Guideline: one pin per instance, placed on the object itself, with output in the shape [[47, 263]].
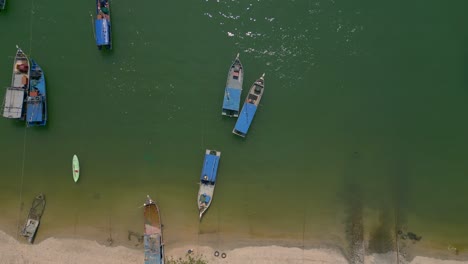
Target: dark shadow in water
[[352, 200], [382, 238], [400, 190]]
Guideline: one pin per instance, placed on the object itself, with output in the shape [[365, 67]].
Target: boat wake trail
[[277, 40]]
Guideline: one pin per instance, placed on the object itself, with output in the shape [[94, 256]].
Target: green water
[[364, 111]]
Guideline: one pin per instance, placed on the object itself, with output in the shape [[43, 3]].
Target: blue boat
[[233, 90], [2, 4], [36, 104], [14, 102], [208, 180], [250, 107], [154, 249], [103, 24]]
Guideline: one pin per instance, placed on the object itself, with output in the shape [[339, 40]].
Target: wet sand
[[64, 250]]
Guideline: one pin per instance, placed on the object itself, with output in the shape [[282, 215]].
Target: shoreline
[[76, 250]]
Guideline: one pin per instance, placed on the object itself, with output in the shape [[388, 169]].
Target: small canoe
[[76, 168]]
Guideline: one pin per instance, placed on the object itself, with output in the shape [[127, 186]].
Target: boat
[[2, 4], [208, 180], [34, 218], [14, 101], [76, 168], [154, 246], [36, 110], [250, 107], [233, 90], [103, 24]]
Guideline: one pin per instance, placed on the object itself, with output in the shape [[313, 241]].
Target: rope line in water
[[397, 244], [31, 28], [23, 162], [21, 183], [92, 23], [303, 234]]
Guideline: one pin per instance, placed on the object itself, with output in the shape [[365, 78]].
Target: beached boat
[[233, 90], [250, 107], [154, 247], [2, 4], [103, 24], [208, 180], [14, 101], [34, 218], [76, 168], [36, 110]]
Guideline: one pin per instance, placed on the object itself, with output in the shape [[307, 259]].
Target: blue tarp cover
[[245, 118], [40, 84], [210, 168], [34, 113], [102, 32], [232, 99]]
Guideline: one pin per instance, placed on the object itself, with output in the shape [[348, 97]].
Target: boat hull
[[153, 240], [233, 90], [208, 181], [249, 108], [36, 113], [102, 24], [14, 101], [34, 217], [76, 168], [205, 190]]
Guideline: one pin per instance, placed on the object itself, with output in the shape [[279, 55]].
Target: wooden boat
[[154, 246], [250, 107], [208, 180], [36, 111], [2, 4], [102, 24], [13, 104], [76, 168], [34, 218], [233, 90]]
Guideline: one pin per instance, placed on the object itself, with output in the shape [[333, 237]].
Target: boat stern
[[245, 119], [102, 31], [231, 102]]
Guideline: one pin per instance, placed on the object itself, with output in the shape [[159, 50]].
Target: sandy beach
[[59, 251]]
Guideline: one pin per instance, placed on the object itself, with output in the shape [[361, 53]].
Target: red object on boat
[[23, 68]]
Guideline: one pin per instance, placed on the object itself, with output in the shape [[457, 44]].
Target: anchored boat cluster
[[25, 99], [232, 97], [231, 104]]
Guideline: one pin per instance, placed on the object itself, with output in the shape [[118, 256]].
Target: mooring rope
[[303, 234], [397, 237], [93, 26], [23, 162], [31, 28], [21, 183]]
